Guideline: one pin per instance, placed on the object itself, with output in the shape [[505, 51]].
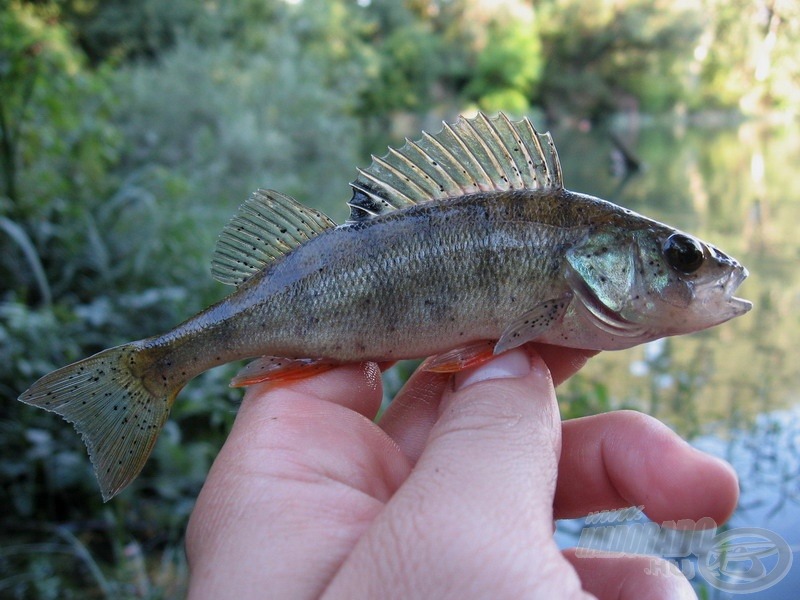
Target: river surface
[[733, 390]]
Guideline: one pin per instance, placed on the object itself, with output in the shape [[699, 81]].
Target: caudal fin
[[117, 416]]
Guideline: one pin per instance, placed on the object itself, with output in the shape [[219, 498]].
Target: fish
[[459, 246]]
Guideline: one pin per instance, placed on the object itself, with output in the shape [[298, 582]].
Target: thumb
[[474, 518], [499, 436]]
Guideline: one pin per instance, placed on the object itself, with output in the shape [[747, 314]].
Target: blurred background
[[131, 130]]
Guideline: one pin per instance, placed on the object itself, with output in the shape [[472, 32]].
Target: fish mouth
[[735, 279], [738, 273]]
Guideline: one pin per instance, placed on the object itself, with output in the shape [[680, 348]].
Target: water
[[734, 187], [732, 390]]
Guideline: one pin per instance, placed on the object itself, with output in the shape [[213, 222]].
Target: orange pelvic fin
[[459, 359], [275, 368]]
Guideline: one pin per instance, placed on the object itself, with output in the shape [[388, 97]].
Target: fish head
[[692, 285], [651, 281]]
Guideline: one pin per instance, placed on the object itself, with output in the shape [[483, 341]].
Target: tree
[[600, 52]]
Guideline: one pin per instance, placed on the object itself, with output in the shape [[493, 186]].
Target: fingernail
[[509, 365]]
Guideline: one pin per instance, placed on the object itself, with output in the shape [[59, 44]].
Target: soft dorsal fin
[[472, 155], [268, 225]]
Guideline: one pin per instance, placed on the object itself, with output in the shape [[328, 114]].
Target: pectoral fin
[[533, 323]]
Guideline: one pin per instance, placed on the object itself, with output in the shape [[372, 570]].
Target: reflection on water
[[736, 188], [766, 455], [732, 390]]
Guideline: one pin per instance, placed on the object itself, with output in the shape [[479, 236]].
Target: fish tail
[[112, 408]]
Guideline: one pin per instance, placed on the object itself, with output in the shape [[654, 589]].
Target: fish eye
[[683, 253]]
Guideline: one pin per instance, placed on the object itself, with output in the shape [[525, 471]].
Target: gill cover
[[624, 277], [606, 264]]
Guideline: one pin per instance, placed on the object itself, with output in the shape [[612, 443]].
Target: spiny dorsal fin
[[472, 155], [268, 225]]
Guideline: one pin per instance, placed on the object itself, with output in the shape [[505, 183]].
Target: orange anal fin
[[459, 359], [275, 368]]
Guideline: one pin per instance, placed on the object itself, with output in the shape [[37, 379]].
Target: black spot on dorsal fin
[[471, 155]]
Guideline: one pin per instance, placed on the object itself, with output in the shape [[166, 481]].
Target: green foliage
[[258, 112], [747, 57], [602, 56], [584, 397], [407, 67], [408, 58], [40, 84], [129, 131], [57, 147], [508, 69], [115, 30]]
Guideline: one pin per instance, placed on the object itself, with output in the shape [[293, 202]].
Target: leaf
[[17, 233]]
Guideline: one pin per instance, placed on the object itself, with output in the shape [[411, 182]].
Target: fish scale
[[461, 244]]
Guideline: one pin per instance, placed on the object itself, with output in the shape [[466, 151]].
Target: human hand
[[450, 494]]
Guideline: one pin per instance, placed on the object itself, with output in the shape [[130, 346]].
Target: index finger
[[563, 363]]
